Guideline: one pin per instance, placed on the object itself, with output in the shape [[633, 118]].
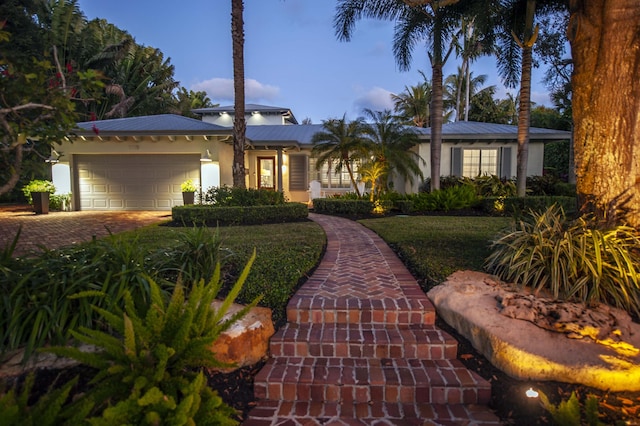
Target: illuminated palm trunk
[[605, 41]]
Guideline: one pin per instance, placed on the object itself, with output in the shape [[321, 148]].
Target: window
[[472, 162], [327, 176]]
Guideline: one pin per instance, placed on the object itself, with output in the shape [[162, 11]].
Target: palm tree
[[391, 146], [341, 144], [413, 104], [373, 172], [455, 85], [516, 37], [239, 122], [432, 21]]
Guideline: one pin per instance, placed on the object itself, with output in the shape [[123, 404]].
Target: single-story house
[[138, 163]]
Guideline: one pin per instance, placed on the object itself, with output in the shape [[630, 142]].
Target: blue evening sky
[[292, 56]]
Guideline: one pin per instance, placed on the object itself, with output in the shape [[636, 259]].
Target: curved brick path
[[361, 347]]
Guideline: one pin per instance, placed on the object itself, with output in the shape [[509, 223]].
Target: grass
[[433, 247], [286, 254]]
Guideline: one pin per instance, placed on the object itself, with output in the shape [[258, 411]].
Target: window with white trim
[[473, 162], [329, 178]]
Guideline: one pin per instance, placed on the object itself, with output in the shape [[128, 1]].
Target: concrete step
[[363, 340], [362, 380], [268, 413], [417, 310]]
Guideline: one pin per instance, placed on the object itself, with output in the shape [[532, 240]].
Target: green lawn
[[433, 247]]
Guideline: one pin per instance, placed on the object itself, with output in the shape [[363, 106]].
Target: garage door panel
[[133, 182]]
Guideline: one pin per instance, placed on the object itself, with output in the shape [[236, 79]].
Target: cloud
[[376, 99], [221, 89]]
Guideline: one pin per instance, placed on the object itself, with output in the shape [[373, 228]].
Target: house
[[138, 163]]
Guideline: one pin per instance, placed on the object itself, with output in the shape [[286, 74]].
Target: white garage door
[[133, 182]]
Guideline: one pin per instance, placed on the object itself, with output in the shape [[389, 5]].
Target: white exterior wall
[[226, 119], [534, 165], [212, 173]]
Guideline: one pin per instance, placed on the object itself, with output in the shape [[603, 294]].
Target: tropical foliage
[[341, 145], [150, 365], [571, 259]]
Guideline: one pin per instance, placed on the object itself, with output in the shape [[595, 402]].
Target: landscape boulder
[[247, 341], [533, 338]]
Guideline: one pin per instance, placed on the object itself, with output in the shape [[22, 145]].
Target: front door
[[266, 170]]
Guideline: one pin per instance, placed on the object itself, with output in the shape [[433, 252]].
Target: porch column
[[280, 186]]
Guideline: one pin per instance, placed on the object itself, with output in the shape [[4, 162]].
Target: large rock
[[247, 341], [605, 358]]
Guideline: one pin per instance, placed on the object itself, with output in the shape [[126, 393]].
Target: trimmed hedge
[[239, 215], [518, 206], [339, 206]]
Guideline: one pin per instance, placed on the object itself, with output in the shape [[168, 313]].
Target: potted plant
[[188, 191], [38, 191]]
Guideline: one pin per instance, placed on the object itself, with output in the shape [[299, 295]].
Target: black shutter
[[505, 163], [456, 161]]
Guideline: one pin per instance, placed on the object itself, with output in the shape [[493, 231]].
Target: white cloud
[[376, 99], [221, 89]]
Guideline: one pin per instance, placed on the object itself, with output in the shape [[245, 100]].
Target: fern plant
[[150, 370], [568, 412], [46, 411], [570, 259]]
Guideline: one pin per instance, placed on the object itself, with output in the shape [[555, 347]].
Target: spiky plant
[[151, 367], [570, 259]]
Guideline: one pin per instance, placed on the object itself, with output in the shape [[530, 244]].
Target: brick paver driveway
[[59, 229]]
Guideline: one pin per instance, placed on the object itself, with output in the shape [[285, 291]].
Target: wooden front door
[[266, 173]]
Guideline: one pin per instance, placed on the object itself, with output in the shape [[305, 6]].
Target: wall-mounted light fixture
[[206, 157], [53, 158]]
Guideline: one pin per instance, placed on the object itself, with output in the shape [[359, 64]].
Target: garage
[[133, 181]]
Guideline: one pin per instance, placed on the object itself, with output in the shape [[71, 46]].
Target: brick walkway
[[59, 229], [361, 348]]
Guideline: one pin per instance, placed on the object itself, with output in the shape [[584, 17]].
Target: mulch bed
[[508, 398]]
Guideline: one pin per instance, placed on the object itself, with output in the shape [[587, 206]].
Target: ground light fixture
[[531, 393]]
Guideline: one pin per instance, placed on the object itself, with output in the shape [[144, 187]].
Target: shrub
[[494, 186], [193, 258], [445, 183], [239, 215], [232, 196], [151, 369], [571, 260], [37, 185], [455, 198], [59, 202], [46, 411], [188, 186], [518, 206], [342, 207]]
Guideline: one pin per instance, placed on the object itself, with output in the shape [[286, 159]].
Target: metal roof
[[263, 109], [156, 125], [293, 135], [465, 130], [298, 135]]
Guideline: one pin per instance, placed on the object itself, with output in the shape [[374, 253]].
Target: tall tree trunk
[[524, 110], [239, 122], [436, 126], [435, 118], [605, 44], [467, 90]]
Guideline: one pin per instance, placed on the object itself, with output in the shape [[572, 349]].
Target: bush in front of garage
[[200, 214]]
